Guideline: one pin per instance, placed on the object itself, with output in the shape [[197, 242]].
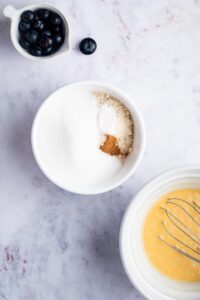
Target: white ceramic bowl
[[140, 271], [14, 14], [132, 161]]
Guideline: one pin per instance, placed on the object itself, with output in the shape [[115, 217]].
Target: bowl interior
[[139, 269], [130, 163], [15, 31]]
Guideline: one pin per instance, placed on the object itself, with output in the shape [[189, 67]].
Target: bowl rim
[[142, 138], [157, 181]]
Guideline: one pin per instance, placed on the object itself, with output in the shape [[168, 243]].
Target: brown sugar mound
[[119, 137]]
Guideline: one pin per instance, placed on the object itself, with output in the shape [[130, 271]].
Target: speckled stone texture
[[59, 246]]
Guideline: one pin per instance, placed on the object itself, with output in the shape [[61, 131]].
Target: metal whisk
[[182, 228]]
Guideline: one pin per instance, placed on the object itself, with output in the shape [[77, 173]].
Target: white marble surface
[[58, 246]]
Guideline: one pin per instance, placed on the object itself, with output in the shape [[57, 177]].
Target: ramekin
[[14, 14]]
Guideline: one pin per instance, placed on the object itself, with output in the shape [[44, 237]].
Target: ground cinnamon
[[110, 146]]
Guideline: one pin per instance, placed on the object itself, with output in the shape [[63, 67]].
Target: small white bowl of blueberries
[[38, 31]]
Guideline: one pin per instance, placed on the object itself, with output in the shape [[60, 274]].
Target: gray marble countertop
[[59, 246]]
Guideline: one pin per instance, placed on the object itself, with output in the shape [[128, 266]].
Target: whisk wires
[[183, 239]]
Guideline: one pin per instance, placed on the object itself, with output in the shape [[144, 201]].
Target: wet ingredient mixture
[[172, 235]]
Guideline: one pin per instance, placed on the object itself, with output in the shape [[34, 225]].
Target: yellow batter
[[170, 222]]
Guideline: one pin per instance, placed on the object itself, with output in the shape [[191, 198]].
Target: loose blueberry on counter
[[24, 26], [27, 16], [87, 46]]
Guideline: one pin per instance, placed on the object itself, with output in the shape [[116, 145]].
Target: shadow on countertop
[[5, 40], [106, 253]]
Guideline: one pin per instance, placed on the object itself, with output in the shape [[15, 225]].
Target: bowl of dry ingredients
[[88, 137]]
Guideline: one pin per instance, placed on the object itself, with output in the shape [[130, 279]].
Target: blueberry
[[56, 29], [58, 40], [55, 19], [48, 51], [43, 13], [87, 46], [24, 43], [46, 33], [45, 42], [38, 25], [27, 16], [24, 26], [36, 17], [32, 36], [36, 51]]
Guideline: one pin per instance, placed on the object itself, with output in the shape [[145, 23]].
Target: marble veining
[[59, 246]]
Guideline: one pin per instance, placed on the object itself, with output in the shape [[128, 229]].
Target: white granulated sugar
[[69, 140], [107, 119]]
